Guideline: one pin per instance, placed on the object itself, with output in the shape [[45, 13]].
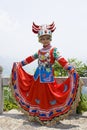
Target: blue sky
[[17, 40]]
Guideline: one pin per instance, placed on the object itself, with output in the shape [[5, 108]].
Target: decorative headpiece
[[43, 29]]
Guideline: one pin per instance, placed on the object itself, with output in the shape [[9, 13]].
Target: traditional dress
[[39, 94]]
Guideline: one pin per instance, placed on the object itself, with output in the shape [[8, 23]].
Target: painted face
[[45, 40]]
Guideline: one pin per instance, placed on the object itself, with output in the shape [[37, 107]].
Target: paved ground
[[15, 120]]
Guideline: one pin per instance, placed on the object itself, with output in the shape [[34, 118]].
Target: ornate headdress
[[43, 29]]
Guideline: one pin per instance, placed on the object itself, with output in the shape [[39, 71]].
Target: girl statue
[[39, 95]]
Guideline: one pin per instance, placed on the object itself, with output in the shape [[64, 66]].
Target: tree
[[80, 67], [58, 70]]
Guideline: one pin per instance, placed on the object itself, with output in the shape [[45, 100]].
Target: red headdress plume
[[51, 27], [35, 28]]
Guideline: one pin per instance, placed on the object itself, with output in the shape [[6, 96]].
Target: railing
[[5, 82]]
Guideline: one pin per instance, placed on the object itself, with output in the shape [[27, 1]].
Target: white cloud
[[7, 22], [17, 39]]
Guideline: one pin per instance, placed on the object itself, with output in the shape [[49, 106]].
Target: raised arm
[[29, 59], [62, 61]]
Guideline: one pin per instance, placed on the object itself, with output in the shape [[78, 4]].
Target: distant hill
[[7, 63], [84, 90]]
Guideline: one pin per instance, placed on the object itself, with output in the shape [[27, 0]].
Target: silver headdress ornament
[[43, 29]]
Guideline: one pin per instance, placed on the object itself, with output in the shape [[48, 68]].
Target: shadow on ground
[[35, 125]]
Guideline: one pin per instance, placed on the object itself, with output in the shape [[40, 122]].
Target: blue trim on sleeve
[[69, 68], [23, 63]]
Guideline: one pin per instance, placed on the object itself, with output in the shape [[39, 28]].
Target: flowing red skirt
[[45, 100]]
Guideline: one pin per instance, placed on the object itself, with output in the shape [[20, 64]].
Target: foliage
[[9, 102], [58, 70], [80, 67], [82, 104]]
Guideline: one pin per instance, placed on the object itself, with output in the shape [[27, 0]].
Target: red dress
[[38, 97]]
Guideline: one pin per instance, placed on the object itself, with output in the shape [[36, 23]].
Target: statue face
[[45, 40]]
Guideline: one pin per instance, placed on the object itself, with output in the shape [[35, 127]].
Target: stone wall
[[6, 81]]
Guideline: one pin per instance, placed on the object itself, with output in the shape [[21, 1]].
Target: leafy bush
[[80, 67], [82, 107], [9, 102]]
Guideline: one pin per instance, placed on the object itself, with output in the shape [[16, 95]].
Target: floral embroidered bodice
[[46, 58], [44, 69]]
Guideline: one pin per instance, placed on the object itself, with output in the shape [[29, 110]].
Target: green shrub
[[82, 107], [9, 102]]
